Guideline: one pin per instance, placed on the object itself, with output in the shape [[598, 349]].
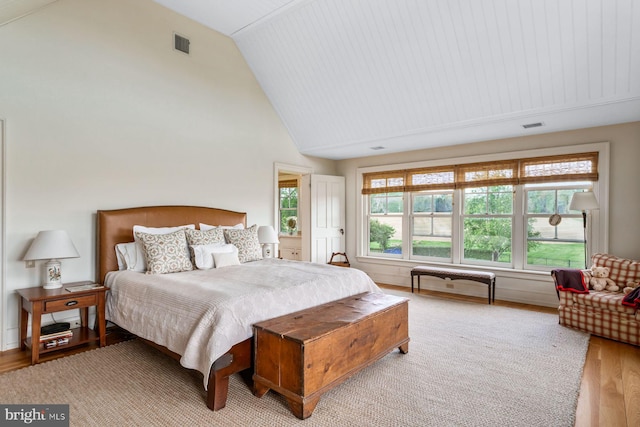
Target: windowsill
[[412, 263], [290, 236]]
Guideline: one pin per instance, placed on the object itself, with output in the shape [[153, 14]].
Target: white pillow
[[160, 230], [130, 257], [225, 259], [203, 254], [206, 227], [141, 264]]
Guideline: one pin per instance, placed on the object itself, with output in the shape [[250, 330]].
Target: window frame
[[526, 216], [488, 215], [386, 214], [288, 186], [597, 219], [412, 215]]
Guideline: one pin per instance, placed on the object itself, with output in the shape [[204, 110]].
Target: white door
[[324, 232]]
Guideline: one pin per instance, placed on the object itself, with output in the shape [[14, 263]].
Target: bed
[[204, 318]]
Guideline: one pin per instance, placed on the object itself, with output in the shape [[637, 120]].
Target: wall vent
[[533, 125], [181, 43]]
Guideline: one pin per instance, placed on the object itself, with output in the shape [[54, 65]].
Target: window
[[488, 223], [553, 246], [385, 223], [431, 224], [288, 206], [490, 213]]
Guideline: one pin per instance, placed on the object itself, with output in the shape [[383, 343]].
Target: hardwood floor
[[609, 392]]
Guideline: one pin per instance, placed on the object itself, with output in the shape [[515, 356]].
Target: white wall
[[536, 288], [102, 113]]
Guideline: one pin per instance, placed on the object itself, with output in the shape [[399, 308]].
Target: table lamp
[[267, 236], [52, 245]]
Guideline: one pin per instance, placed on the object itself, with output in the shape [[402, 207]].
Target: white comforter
[[201, 314]]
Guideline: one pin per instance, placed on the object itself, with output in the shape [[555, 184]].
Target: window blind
[[288, 183], [487, 174], [383, 182], [431, 178], [572, 167]]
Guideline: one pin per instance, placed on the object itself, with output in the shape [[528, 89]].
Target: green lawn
[[558, 255]]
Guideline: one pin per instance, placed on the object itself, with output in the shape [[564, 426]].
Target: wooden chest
[[304, 354]]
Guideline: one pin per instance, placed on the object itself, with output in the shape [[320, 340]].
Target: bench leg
[[494, 289], [489, 286]]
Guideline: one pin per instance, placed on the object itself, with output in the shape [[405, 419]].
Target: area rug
[[469, 364]]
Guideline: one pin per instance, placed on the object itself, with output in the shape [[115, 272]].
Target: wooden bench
[[485, 277], [304, 354]]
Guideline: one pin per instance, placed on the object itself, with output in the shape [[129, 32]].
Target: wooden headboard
[[116, 226]]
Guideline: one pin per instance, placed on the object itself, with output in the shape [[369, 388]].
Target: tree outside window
[[385, 223], [488, 223]]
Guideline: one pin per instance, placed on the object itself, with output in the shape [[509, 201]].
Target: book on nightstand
[[56, 342], [56, 336], [86, 287]]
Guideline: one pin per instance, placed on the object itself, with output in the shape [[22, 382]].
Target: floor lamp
[[584, 201]]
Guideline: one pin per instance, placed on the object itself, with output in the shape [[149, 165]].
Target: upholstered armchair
[[613, 315]]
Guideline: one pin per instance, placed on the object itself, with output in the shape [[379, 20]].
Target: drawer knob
[[70, 303]]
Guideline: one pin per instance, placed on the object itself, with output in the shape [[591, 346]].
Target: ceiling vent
[[379, 147], [533, 125], [181, 43]]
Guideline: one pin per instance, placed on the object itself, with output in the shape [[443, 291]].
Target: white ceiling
[[349, 75], [10, 10]]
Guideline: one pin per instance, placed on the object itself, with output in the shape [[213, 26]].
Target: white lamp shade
[[267, 235], [51, 244], [583, 201]]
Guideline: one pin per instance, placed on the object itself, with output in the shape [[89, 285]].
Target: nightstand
[[39, 301]]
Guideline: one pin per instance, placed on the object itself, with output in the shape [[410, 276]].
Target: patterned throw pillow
[[165, 253], [202, 237], [246, 241]]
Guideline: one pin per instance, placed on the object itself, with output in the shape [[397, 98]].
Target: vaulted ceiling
[[362, 77]]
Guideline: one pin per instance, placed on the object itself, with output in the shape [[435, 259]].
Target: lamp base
[[52, 275], [266, 251]]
